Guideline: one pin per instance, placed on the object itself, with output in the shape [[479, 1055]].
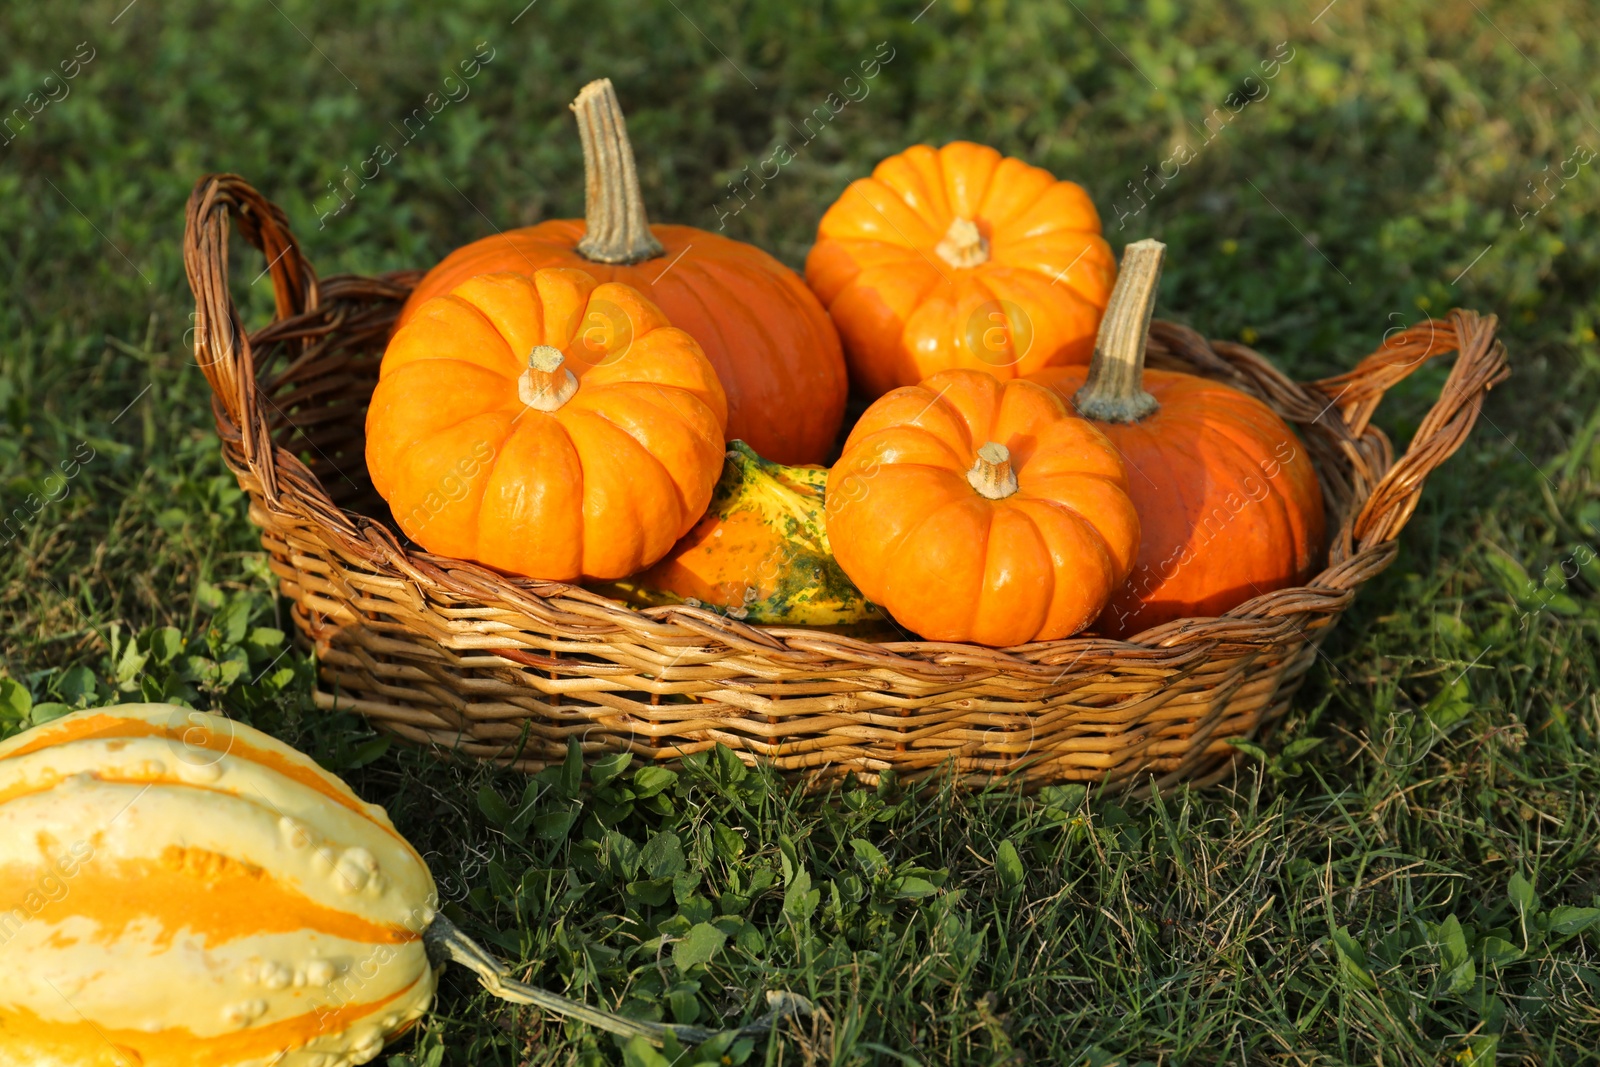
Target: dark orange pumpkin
[[769, 339], [1228, 500]]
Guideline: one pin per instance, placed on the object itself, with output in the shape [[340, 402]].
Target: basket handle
[[1480, 366], [222, 346]]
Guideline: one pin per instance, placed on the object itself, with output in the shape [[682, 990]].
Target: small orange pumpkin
[[978, 510], [547, 425], [761, 328], [958, 257], [1227, 497]]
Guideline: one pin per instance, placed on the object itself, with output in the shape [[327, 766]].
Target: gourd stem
[[992, 475], [963, 244], [547, 383], [616, 227], [446, 943], [1114, 390]]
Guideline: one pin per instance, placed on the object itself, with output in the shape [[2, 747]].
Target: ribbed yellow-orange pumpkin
[[547, 425], [973, 509], [957, 257], [180, 890]]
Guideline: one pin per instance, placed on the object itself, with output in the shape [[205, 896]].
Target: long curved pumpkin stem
[[617, 229], [446, 943], [1114, 391]]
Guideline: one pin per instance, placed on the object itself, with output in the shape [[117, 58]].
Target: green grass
[[1405, 877]]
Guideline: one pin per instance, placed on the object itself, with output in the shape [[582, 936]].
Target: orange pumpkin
[[547, 425], [978, 510], [758, 324], [1227, 497], [957, 257]]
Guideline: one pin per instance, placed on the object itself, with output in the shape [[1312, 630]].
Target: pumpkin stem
[[963, 245], [546, 384], [1114, 390], [447, 944], [992, 475], [617, 229]]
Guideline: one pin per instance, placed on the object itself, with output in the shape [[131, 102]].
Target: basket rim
[[1381, 499]]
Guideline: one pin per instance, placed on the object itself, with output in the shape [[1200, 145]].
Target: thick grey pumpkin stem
[[1114, 391], [617, 229]]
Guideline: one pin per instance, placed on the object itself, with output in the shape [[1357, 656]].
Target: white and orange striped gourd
[[181, 890]]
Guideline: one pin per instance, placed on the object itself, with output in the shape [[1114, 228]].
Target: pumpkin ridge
[[1241, 461], [479, 484], [1022, 211], [652, 395], [1059, 277], [980, 284], [399, 457], [682, 525], [908, 256], [463, 304], [1049, 589], [451, 359], [951, 168], [890, 197], [506, 450], [760, 287], [932, 277], [955, 453], [960, 501], [1177, 460], [655, 395], [905, 535], [480, 412], [1024, 208], [1091, 533], [1148, 442], [710, 317], [791, 290], [918, 181]]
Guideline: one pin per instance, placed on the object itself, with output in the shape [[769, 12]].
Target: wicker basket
[[445, 652]]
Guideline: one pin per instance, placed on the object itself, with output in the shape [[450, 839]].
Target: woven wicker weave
[[446, 652]]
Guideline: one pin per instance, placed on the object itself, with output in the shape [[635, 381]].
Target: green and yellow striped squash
[[760, 553], [181, 890]]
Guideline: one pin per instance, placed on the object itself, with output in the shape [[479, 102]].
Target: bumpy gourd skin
[[1227, 497], [958, 257], [180, 890], [760, 553], [1032, 560]]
